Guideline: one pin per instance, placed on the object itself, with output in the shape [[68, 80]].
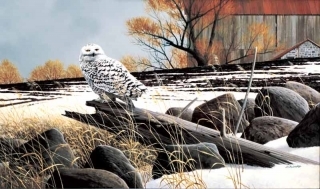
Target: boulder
[[209, 115], [264, 129], [175, 111], [307, 132], [182, 158], [51, 147], [84, 178], [249, 110], [112, 159], [8, 147], [280, 102], [309, 94]]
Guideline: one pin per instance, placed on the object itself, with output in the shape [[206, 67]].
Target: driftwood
[[152, 128]]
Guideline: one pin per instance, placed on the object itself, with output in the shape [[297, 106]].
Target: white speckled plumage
[[107, 76]]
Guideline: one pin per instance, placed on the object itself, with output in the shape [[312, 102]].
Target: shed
[[304, 49]]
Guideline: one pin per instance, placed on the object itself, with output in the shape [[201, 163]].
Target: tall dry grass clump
[[82, 139]]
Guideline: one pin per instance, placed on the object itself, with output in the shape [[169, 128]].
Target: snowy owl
[[107, 77]]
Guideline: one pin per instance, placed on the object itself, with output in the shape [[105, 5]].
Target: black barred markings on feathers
[[107, 76]]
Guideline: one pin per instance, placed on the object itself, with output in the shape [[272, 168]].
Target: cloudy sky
[[35, 31]]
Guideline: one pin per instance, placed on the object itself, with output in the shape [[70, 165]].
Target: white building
[[304, 49]]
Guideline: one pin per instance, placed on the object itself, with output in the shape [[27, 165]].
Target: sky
[[35, 31]]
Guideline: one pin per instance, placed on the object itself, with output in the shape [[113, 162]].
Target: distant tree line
[[52, 69]]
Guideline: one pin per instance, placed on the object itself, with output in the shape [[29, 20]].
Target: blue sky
[[35, 31]]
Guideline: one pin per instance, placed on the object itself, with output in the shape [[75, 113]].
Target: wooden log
[[153, 128]]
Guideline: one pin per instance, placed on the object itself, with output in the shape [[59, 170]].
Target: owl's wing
[[125, 83], [113, 77]]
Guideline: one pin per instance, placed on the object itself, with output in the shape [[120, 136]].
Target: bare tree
[[172, 24], [136, 63]]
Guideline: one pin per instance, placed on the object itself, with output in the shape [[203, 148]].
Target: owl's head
[[91, 52]]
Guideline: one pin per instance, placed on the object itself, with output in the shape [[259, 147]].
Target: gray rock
[[209, 115], [264, 129], [249, 110], [112, 159], [309, 94], [307, 132], [175, 111], [8, 147], [51, 147], [84, 178], [175, 158], [280, 102]]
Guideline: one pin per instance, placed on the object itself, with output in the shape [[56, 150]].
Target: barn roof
[[291, 48], [276, 7]]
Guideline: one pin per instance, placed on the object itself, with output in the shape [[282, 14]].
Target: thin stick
[[223, 129], [158, 79], [186, 107], [247, 93]]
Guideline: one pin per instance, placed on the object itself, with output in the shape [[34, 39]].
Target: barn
[[304, 49], [274, 26]]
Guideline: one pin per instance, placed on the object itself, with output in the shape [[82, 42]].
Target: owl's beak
[[93, 54]]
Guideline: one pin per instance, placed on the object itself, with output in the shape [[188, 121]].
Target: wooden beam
[[153, 128]]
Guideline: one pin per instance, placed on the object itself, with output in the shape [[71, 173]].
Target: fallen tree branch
[[153, 128]]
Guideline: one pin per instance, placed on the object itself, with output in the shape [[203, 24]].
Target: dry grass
[[83, 138]]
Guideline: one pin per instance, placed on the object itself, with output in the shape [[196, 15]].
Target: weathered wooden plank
[[152, 128]]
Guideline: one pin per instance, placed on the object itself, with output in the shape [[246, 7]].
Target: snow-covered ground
[[281, 176], [160, 99]]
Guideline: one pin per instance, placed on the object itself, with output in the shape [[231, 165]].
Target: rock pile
[[111, 168]]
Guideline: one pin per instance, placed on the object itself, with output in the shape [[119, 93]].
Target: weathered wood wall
[[294, 29], [288, 30]]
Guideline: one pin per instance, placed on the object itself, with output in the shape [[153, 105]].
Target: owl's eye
[[96, 49], [88, 50]]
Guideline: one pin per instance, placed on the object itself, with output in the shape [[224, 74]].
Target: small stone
[[175, 111]]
